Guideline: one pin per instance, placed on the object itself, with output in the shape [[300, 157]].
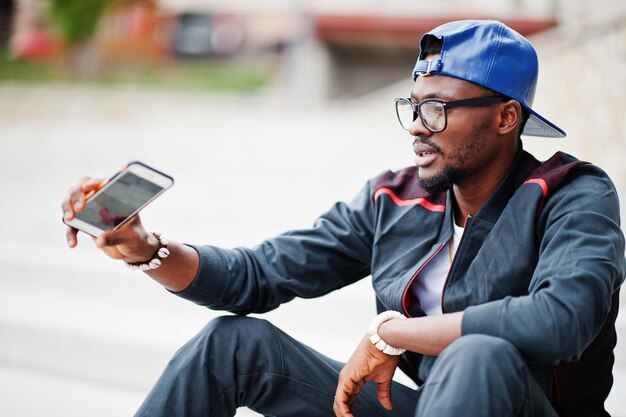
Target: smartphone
[[120, 198]]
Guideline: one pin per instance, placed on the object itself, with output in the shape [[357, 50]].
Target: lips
[[424, 154]]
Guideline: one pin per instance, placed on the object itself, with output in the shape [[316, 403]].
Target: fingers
[[68, 210], [345, 395], [74, 201], [342, 404], [71, 235], [383, 392], [91, 184]]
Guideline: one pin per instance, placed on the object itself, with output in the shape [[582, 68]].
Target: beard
[[441, 182]]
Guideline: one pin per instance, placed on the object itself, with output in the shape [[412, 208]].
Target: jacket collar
[[522, 165]]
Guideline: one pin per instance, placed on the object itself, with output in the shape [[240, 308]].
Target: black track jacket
[[540, 265]]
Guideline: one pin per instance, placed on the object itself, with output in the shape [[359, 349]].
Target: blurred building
[[346, 47], [7, 8], [351, 47], [135, 29]]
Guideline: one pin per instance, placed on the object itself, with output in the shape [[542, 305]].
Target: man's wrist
[[159, 251], [376, 340], [152, 245]]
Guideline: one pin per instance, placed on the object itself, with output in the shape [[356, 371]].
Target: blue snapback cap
[[492, 55]]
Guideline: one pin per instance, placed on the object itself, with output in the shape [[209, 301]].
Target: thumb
[[383, 392], [113, 238], [130, 233]]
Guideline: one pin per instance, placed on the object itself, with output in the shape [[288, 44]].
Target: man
[[496, 276]]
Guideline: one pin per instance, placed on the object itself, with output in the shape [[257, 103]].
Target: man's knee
[[237, 327], [473, 360], [232, 334], [476, 375], [243, 339]]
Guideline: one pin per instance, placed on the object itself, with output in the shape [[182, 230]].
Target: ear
[[509, 117]]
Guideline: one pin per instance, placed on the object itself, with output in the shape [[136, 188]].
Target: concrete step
[[75, 322], [33, 393]]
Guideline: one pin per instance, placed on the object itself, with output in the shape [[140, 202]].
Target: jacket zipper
[[406, 289], [445, 283]]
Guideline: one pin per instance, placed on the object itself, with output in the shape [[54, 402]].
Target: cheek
[[468, 149]]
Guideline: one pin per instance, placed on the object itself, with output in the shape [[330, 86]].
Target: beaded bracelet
[[376, 340], [154, 262]]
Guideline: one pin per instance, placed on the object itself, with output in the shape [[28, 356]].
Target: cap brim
[[540, 126]]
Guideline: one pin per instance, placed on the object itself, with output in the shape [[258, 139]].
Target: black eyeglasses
[[434, 112]]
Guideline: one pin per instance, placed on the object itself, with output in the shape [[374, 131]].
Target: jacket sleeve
[[581, 264], [309, 263]]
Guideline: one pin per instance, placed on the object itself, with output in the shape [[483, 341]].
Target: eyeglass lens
[[432, 114]]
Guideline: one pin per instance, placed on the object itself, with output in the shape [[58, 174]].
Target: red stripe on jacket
[[399, 202]]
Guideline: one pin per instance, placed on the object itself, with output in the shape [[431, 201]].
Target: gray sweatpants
[[246, 362]]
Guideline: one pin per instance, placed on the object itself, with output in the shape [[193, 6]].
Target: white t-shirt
[[429, 284]]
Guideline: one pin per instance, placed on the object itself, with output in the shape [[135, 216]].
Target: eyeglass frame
[[467, 102]]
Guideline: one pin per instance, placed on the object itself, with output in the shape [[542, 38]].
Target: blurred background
[[265, 113]]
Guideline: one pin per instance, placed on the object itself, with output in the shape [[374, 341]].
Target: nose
[[417, 128]]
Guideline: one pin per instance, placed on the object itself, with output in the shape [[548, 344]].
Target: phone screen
[[116, 202]]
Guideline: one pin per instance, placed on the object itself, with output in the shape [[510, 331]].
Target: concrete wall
[[581, 88]]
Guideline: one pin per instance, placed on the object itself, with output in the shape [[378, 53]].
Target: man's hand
[[366, 364], [130, 242]]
